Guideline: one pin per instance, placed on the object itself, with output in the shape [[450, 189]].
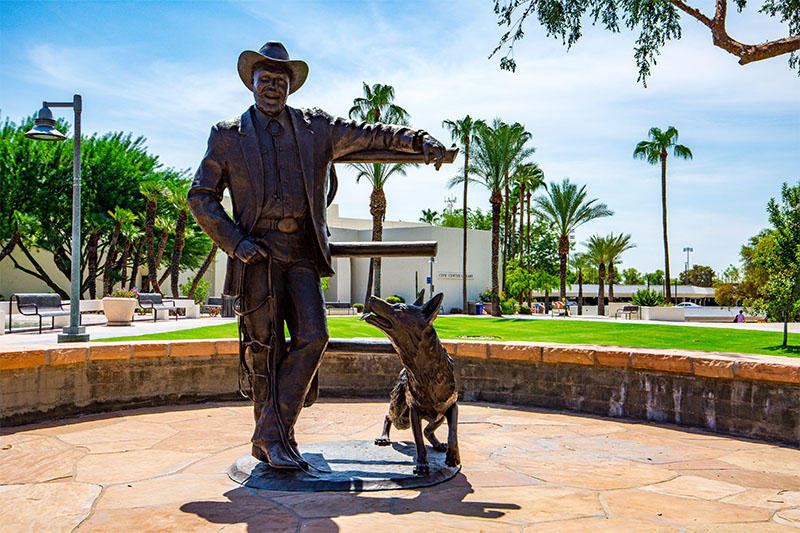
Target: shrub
[[456, 311], [200, 293], [125, 293], [395, 299], [524, 310], [508, 307], [647, 298], [485, 296], [359, 307]]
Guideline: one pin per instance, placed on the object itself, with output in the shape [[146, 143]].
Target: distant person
[[739, 318]]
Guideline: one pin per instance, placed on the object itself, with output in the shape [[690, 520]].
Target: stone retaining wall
[[737, 394]]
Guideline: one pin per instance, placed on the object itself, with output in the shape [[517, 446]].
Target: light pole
[[431, 261], [45, 130], [687, 249]]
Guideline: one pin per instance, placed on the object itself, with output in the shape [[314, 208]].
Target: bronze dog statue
[[426, 388]]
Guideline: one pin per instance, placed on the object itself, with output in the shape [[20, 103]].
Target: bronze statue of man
[[276, 162]]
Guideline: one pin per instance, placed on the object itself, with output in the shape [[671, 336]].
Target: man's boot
[[273, 454]]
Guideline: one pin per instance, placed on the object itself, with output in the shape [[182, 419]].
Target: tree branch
[[747, 53]]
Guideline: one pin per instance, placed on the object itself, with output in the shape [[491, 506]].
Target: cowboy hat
[[272, 53]]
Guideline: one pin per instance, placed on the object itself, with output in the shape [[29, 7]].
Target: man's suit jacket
[[233, 161]]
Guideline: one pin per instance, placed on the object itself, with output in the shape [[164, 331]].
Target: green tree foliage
[[699, 276], [36, 181], [780, 295], [429, 216], [476, 219], [631, 276], [656, 21], [565, 206], [655, 278]]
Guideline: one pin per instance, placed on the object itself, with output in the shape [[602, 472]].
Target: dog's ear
[[420, 298], [431, 309]]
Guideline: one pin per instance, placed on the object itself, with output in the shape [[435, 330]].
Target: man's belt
[[284, 225]]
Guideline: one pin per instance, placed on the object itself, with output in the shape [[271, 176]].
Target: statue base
[[356, 465]]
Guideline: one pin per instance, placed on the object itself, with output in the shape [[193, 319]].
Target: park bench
[[154, 301], [627, 311], [41, 305], [340, 305]]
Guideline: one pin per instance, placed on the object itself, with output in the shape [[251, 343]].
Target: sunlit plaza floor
[[524, 470]]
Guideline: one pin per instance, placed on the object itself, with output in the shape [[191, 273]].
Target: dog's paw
[[422, 469], [452, 458], [440, 446], [380, 441]]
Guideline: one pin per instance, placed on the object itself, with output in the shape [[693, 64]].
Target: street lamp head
[[44, 128]]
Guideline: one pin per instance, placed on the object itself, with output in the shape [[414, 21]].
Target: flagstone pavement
[[525, 470]]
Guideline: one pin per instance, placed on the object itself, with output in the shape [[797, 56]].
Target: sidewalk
[[140, 326], [531, 470]]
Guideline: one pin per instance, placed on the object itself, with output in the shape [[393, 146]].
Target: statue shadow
[[285, 511]]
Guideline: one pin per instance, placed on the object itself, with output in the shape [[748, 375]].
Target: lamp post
[[687, 249], [431, 261], [45, 130]]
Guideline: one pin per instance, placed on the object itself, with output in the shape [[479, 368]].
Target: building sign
[[454, 275]]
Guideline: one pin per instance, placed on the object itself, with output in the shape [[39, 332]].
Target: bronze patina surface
[[276, 163]]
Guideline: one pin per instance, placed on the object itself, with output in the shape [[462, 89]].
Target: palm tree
[[178, 196], [463, 131], [653, 151], [429, 216], [517, 136], [616, 246], [377, 105], [153, 190], [580, 263], [566, 207], [528, 177], [598, 248], [497, 149], [120, 216]]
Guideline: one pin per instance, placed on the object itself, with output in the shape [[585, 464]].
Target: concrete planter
[[119, 311], [665, 314]]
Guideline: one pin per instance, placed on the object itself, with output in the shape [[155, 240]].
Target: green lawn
[[566, 331]]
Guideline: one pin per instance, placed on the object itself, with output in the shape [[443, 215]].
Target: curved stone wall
[[743, 395]]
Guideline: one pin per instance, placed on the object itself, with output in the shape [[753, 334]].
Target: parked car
[[688, 304]]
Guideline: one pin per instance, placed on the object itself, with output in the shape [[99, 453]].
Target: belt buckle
[[287, 225]]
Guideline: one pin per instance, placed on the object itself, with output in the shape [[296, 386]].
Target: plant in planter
[[119, 307]]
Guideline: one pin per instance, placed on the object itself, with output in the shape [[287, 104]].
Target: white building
[[405, 275]]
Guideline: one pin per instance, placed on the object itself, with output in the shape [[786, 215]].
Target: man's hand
[[433, 151], [250, 252]]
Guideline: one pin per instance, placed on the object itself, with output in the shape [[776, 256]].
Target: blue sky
[[167, 71]]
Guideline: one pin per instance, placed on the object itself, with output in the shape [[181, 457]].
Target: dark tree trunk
[[9, 247], [149, 224], [505, 231], [610, 275], [521, 223], [563, 251], [466, 211], [203, 269], [110, 257], [496, 200], [137, 257], [91, 263], [377, 208], [601, 297], [162, 244], [668, 290], [177, 250], [38, 271], [528, 239], [580, 292], [123, 265]]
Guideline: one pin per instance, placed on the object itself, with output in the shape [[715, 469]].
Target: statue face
[[270, 89]]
